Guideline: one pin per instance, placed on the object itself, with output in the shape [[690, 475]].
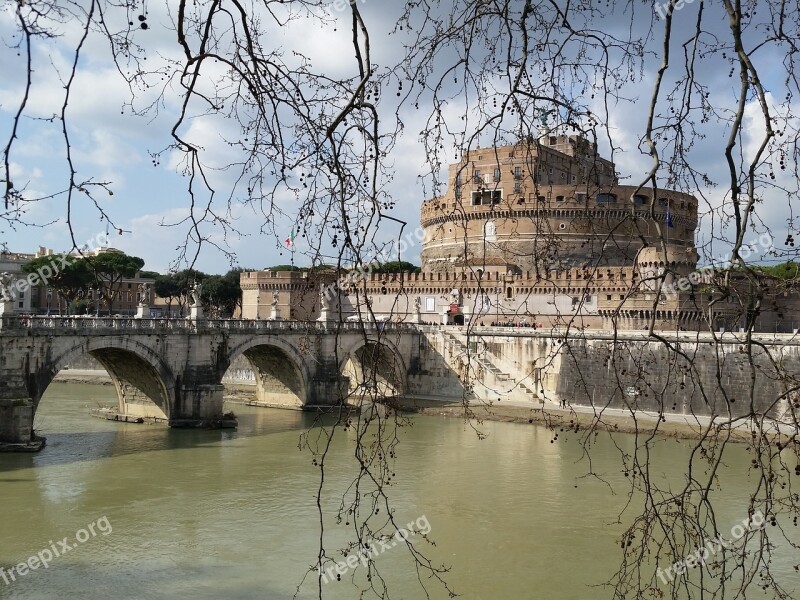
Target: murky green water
[[208, 515]]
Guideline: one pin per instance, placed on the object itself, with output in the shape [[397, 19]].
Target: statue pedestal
[[195, 312], [275, 314], [142, 312], [324, 315], [6, 311], [417, 318]]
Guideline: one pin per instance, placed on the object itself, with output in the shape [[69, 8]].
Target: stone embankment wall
[[684, 374]]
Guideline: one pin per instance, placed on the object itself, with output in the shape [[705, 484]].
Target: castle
[[540, 232]]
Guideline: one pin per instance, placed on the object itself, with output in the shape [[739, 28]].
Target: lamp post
[[49, 298]]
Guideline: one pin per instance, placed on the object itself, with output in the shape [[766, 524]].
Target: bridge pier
[[198, 405], [16, 425]]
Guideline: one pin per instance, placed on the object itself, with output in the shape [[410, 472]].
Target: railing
[[129, 324], [83, 323]]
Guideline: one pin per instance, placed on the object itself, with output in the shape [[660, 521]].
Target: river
[[202, 515]]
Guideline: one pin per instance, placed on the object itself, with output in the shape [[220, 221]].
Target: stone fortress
[[540, 232]]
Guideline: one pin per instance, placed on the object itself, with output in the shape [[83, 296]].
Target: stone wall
[[687, 375]]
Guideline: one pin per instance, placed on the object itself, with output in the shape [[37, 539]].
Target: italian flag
[[290, 240]]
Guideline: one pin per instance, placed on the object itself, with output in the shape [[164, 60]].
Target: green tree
[[68, 275], [168, 287], [149, 274], [784, 271], [109, 269], [185, 280], [396, 266], [222, 294]]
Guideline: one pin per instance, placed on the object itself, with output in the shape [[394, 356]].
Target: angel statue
[[197, 289]]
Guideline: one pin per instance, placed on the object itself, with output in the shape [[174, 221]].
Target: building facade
[[539, 233], [41, 299]]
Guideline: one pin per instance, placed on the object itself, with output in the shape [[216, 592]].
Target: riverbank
[[576, 418]]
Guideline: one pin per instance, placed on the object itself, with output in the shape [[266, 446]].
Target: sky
[[146, 191]]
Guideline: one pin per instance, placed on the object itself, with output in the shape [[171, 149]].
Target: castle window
[[517, 186], [641, 199], [483, 197], [553, 140], [476, 176], [562, 226], [509, 293], [497, 174], [458, 191], [517, 172], [606, 198], [540, 198], [559, 198], [608, 296]]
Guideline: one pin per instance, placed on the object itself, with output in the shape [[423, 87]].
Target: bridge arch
[[281, 372], [142, 379], [375, 367]]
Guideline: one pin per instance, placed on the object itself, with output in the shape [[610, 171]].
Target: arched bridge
[[173, 368]]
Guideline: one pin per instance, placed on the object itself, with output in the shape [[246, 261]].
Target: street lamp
[[49, 298]]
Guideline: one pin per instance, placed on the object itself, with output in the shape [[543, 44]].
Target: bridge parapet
[[128, 324]]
